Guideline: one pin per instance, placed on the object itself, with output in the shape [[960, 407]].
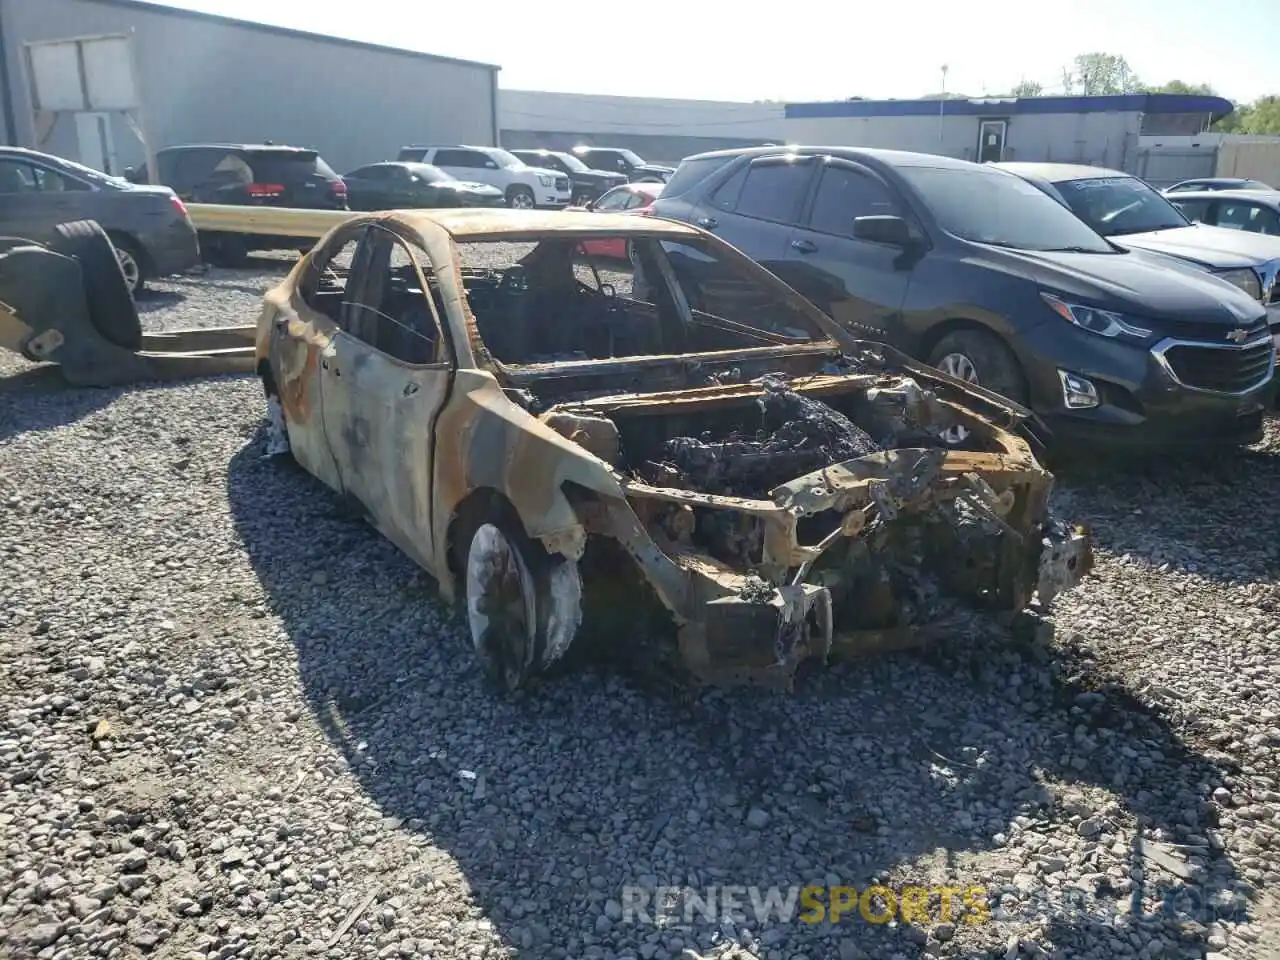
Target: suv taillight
[[266, 189], [339, 188], [182, 207]]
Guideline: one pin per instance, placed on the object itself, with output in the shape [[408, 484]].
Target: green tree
[[1262, 116], [1027, 88], [1100, 74], [1180, 86]]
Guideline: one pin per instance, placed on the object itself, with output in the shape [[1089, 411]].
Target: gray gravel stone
[[233, 714]]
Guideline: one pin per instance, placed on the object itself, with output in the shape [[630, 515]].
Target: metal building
[[206, 78], [1103, 131], [659, 130]]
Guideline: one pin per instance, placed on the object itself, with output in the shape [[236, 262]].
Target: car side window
[[613, 200], [324, 286], [391, 310], [773, 191], [454, 158], [844, 195], [1235, 215], [51, 181], [1197, 210], [17, 177], [725, 196]]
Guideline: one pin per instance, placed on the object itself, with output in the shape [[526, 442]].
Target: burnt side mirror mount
[[892, 231]]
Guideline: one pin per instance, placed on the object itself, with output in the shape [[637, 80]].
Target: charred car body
[[554, 441]]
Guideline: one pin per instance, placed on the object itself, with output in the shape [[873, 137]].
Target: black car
[[148, 225], [400, 186], [623, 161], [588, 184], [266, 174], [984, 276], [1218, 183]]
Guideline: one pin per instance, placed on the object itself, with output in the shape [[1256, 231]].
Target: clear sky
[[819, 50]]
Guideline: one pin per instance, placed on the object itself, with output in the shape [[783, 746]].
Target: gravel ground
[[238, 724]]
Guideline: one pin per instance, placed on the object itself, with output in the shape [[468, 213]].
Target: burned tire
[[111, 308], [523, 605], [976, 356]]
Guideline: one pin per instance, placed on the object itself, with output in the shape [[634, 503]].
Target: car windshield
[[427, 173], [572, 162], [288, 166], [504, 159], [611, 298], [1118, 205], [988, 206], [632, 158]]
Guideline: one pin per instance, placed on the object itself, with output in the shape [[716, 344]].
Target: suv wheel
[[982, 358], [520, 198], [130, 264]]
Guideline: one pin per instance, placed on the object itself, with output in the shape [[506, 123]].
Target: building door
[[991, 140], [93, 136]]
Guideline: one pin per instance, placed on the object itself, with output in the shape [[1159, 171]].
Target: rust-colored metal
[[432, 449]]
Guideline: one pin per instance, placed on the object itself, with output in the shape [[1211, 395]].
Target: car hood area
[[1215, 247], [809, 508], [1142, 284]]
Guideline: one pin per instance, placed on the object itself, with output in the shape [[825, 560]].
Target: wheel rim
[[500, 606], [129, 267], [522, 201], [961, 367]]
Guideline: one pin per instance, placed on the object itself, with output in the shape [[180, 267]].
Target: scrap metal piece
[[1066, 558]]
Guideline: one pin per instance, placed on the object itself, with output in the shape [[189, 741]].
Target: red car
[[626, 198]]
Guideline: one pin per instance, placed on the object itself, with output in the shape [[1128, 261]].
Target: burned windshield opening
[[613, 297]]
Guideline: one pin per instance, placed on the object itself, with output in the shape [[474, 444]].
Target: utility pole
[[942, 102]]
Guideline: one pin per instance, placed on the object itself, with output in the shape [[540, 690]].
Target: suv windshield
[[1117, 205], [989, 206], [288, 166], [572, 162]]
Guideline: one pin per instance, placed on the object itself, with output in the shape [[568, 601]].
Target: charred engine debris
[[797, 435]]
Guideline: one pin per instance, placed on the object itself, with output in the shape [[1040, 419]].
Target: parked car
[[588, 184], [1135, 216], [626, 162], [1218, 183], [651, 446], [984, 276], [630, 198], [523, 186], [394, 185], [1253, 211], [264, 174], [148, 225]]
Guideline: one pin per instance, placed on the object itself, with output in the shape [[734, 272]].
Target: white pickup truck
[[525, 187]]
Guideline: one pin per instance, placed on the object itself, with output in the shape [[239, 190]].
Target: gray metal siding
[[206, 79], [1105, 139]]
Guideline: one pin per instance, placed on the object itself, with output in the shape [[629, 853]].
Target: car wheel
[[111, 308], [520, 198], [982, 358], [524, 605], [130, 264]]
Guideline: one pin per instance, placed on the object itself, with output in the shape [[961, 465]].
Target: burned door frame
[[380, 409], [983, 123], [299, 342]]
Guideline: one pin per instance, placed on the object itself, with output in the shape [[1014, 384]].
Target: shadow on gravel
[[899, 768], [1202, 516], [149, 301]]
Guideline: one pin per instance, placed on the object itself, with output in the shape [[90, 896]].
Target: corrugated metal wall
[[210, 79]]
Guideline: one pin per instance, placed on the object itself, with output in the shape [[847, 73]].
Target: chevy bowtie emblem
[[1239, 335]]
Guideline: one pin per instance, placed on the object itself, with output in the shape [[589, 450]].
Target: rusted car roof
[[472, 224]]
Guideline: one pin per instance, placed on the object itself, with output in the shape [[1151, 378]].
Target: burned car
[[569, 446]]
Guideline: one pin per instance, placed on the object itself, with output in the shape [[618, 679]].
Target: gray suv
[[149, 225]]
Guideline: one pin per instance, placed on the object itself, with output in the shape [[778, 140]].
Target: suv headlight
[[546, 179], [1104, 323], [1245, 279]]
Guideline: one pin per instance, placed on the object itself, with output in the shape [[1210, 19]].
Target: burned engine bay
[[829, 498]]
